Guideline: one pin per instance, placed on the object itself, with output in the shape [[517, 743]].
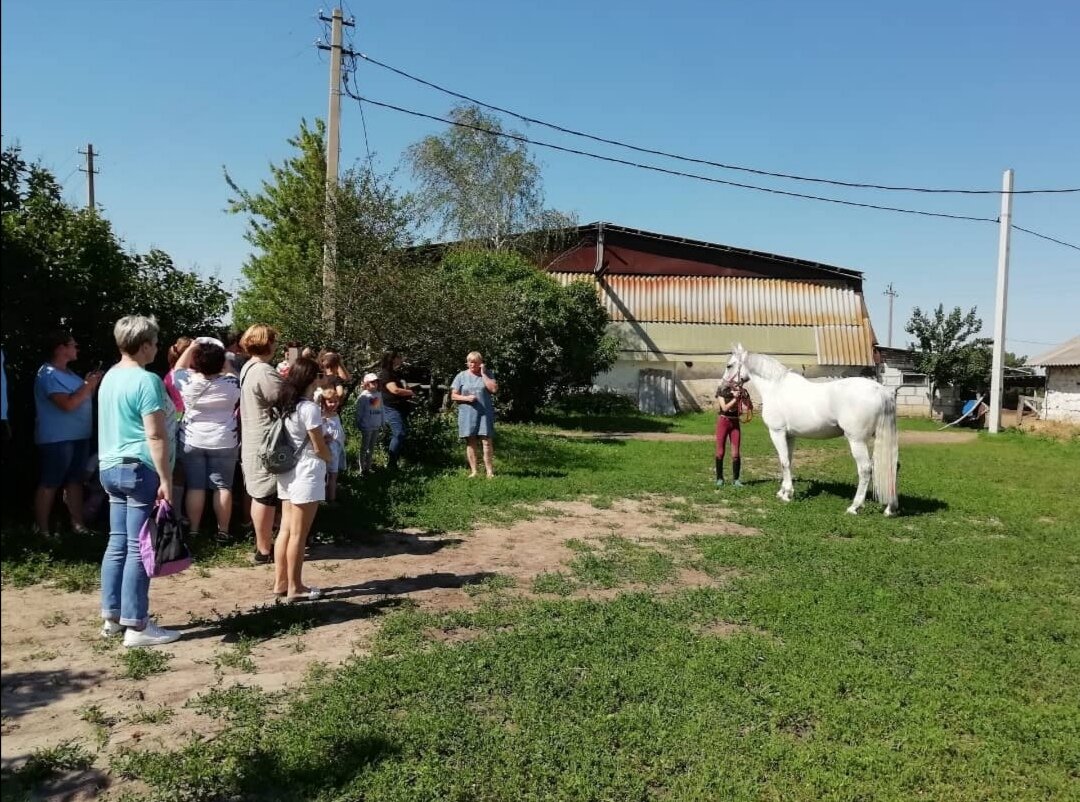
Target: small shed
[[896, 369], [1062, 366]]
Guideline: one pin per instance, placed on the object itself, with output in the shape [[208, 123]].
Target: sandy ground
[[54, 664]]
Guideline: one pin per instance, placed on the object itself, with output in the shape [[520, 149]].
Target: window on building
[[914, 379]]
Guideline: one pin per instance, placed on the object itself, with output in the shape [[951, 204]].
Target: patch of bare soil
[[55, 665], [1057, 429], [726, 629], [910, 438]]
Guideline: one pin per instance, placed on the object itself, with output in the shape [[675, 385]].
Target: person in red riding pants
[[727, 426]]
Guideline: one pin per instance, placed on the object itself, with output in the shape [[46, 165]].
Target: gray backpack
[[277, 452]]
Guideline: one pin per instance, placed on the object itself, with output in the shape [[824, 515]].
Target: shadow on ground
[[910, 506]]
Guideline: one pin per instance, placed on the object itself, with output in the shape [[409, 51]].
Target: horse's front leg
[[783, 443], [861, 453]]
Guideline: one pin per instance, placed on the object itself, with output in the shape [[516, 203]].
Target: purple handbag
[[161, 543]]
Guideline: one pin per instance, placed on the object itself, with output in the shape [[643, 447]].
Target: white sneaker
[[153, 635], [110, 628]]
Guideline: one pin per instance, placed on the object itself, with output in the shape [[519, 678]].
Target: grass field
[[931, 656]]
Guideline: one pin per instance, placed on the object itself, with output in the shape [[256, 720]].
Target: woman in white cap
[[369, 420]]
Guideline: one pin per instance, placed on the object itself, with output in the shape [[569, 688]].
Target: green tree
[[541, 339], [375, 294], [946, 349], [478, 186], [64, 267], [71, 258], [286, 229]]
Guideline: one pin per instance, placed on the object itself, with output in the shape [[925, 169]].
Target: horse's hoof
[[889, 512], [852, 510]]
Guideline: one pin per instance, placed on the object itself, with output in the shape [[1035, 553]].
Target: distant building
[[1062, 365], [677, 305], [897, 371]]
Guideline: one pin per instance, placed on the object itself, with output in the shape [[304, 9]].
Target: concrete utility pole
[[892, 294], [996, 378], [90, 173], [333, 153]]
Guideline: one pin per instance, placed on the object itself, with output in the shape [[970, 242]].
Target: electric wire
[[1044, 236], [614, 160], [694, 160]]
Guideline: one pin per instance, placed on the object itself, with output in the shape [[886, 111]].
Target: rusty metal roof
[[844, 345], [837, 313]]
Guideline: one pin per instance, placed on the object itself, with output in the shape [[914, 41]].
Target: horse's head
[[736, 371]]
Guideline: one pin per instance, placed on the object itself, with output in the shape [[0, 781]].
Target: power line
[[1044, 236], [1028, 342], [350, 72], [664, 170], [693, 160]]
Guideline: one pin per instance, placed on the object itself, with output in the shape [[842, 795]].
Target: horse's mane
[[765, 366]]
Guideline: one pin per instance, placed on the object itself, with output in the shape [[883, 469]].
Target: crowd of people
[[197, 439]]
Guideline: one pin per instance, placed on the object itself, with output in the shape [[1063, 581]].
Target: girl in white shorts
[[302, 488]]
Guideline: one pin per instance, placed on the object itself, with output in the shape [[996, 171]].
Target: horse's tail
[[886, 456]]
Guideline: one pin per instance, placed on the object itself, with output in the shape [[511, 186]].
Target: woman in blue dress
[[474, 391]]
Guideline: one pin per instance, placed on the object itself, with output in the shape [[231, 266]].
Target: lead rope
[[746, 406]]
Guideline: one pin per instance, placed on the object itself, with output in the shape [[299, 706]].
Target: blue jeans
[[398, 429], [125, 587]]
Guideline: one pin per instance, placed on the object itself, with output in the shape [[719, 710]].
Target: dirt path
[[906, 438], [55, 665]]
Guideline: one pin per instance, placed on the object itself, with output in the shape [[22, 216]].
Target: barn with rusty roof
[[678, 304]]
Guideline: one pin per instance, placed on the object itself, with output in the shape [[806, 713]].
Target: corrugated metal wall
[[832, 317]]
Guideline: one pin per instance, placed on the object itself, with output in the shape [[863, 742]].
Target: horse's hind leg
[[861, 453], [783, 444]]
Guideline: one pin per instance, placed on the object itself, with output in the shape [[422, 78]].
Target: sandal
[[313, 594], [221, 536]]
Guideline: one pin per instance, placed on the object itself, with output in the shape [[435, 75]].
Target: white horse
[[858, 409]]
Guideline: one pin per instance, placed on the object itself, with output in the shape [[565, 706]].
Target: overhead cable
[[1044, 236], [693, 160], [653, 168]]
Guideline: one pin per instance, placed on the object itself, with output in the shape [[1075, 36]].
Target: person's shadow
[[386, 543], [23, 691], [337, 604]]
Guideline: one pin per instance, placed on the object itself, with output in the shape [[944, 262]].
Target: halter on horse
[[859, 409]]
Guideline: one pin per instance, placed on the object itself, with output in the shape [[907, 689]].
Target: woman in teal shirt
[[136, 445]]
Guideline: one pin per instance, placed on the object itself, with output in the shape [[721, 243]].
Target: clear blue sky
[[920, 93]]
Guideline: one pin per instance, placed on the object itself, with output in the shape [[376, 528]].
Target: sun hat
[[370, 377]]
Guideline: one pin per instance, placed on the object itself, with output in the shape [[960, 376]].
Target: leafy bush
[[539, 338], [432, 438], [591, 401]]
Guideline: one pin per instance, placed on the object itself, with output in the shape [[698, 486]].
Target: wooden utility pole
[[333, 153], [1002, 297], [90, 173], [889, 291]]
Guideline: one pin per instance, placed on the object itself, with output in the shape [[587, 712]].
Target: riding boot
[[736, 466], [719, 469]]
